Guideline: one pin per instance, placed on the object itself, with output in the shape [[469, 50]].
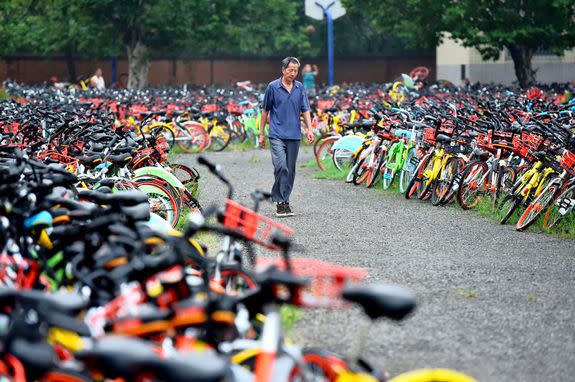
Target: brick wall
[[217, 71]]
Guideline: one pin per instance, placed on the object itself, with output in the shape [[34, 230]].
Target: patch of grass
[[531, 297], [465, 292], [330, 172], [241, 146], [309, 164], [565, 229], [3, 93], [290, 316]]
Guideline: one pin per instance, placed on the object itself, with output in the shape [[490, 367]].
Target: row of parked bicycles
[[513, 150], [90, 290], [193, 120]]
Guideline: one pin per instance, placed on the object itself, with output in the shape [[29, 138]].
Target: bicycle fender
[[349, 143]]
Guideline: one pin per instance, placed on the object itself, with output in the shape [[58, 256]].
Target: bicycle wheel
[[443, 183], [433, 375], [452, 190], [363, 171], [167, 132], [538, 205], [471, 184], [415, 182], [408, 169], [192, 138], [427, 184], [387, 178], [162, 200], [220, 136], [236, 280], [560, 208], [380, 162], [189, 176], [505, 180], [357, 163], [342, 159], [323, 151], [507, 207]]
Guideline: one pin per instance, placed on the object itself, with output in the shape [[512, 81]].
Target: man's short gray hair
[[289, 60]]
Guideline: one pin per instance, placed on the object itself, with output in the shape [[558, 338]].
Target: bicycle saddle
[[118, 356], [60, 302], [120, 158], [141, 212], [90, 160], [197, 367], [37, 356], [382, 300], [442, 138], [124, 198]]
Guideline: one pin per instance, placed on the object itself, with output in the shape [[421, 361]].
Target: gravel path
[[494, 303]]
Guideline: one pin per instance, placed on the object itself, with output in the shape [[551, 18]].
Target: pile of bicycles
[[90, 290], [514, 150], [193, 120], [101, 153]]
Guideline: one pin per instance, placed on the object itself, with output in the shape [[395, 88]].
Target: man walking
[[284, 102]]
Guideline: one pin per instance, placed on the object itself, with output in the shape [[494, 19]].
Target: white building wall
[[451, 56]]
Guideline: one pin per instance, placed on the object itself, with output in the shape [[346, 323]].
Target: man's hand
[[310, 136], [262, 142]]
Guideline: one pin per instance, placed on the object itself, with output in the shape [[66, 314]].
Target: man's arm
[[307, 120], [263, 121]]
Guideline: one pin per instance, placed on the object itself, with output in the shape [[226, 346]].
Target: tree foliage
[[521, 26]]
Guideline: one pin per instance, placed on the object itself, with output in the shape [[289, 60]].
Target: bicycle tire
[[379, 163], [552, 216], [352, 171], [537, 206], [192, 138], [342, 159], [443, 183], [509, 205], [469, 184], [425, 188], [221, 139], [323, 150], [162, 200], [407, 170], [189, 177], [415, 182]]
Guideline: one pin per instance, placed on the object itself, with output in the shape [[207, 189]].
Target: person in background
[[284, 103], [97, 81], [308, 77]]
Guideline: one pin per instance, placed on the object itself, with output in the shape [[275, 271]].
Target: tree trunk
[[69, 54], [138, 66], [522, 56]]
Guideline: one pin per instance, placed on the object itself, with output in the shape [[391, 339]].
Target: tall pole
[[329, 18], [329, 46]]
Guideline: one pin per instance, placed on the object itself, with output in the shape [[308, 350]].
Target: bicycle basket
[[325, 104], [327, 280], [429, 135], [254, 226], [567, 161], [210, 108], [18, 273], [483, 141], [234, 108]]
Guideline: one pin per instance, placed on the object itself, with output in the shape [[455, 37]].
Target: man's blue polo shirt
[[285, 109]]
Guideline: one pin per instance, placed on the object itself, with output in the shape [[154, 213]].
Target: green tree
[[51, 27], [522, 26]]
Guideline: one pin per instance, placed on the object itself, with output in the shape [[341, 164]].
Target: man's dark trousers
[[284, 157]]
